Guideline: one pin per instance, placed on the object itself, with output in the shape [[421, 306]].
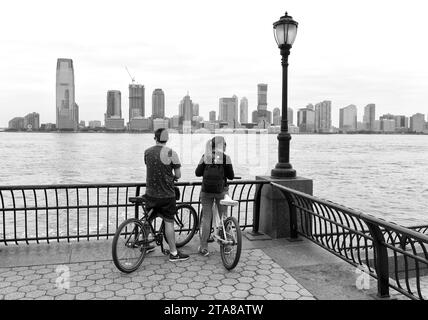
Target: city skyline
[[357, 65]]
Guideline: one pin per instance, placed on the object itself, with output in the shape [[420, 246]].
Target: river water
[[384, 175]]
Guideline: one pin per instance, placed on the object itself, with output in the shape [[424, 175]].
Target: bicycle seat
[[137, 200], [228, 201]]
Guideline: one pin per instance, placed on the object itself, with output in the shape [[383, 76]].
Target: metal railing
[[396, 256], [45, 213]]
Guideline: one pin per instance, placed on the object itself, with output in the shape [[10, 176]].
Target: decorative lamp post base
[[283, 170]]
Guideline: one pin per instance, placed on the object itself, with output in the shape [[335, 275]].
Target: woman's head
[[218, 143]]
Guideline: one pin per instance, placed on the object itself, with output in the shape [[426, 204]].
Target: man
[[163, 167]]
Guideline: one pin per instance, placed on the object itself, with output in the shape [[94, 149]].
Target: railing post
[[381, 261], [256, 208], [137, 193], [293, 218]]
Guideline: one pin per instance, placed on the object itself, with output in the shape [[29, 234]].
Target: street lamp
[[285, 30]]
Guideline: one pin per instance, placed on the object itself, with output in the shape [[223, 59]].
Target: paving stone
[[209, 290], [8, 290], [184, 280], [223, 296], [195, 285], [65, 297], [95, 276], [229, 281], [85, 296], [241, 294], [173, 294], [132, 285], [161, 289], [204, 297], [75, 290], [103, 282], [243, 286], [95, 288], [35, 294], [260, 284], [191, 292], [124, 292], [258, 291], [104, 294], [272, 289], [143, 291], [86, 283], [290, 295], [225, 288], [55, 292], [113, 287], [13, 296], [291, 287], [4, 285], [14, 278], [154, 296]]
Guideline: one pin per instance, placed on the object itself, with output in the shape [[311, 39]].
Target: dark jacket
[[228, 169]]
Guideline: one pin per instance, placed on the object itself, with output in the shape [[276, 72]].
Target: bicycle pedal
[[166, 252]]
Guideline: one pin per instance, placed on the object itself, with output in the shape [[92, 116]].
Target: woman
[[215, 167]]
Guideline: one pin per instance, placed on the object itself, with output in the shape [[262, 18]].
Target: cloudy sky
[[349, 52]]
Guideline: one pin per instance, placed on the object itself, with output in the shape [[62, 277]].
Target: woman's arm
[[199, 172]]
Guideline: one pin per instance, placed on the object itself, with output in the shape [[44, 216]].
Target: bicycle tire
[[123, 266], [184, 226], [231, 259]]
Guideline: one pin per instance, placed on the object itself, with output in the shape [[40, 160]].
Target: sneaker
[[178, 257], [210, 239], [203, 252]]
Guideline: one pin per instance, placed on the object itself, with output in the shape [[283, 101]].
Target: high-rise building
[[196, 109], [243, 110], [387, 125], [323, 116], [114, 104], [113, 117], [160, 123], [32, 121], [417, 122], [67, 114], [276, 114], [186, 109], [306, 120], [290, 116], [16, 123], [401, 123], [175, 122], [158, 104], [228, 110], [136, 101], [262, 116], [348, 118], [370, 117], [262, 96], [212, 116]]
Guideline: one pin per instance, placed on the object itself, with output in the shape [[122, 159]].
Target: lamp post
[[285, 30]]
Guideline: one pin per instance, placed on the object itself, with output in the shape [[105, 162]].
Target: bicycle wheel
[[128, 248], [185, 224], [230, 253]]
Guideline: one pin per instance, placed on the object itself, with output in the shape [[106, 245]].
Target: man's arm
[[177, 173]]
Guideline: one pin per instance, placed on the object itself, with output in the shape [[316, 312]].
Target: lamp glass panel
[[291, 34], [280, 34]]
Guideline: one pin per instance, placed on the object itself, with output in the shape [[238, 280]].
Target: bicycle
[[230, 238], [138, 234]]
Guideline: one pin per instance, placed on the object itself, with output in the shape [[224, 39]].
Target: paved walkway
[[268, 269]]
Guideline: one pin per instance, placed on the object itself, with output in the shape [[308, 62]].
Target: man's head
[[218, 143], [161, 135]]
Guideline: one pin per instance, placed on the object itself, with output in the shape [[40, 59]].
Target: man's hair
[[160, 135], [216, 141]]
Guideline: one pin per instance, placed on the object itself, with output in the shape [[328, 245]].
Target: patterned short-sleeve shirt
[[160, 162]]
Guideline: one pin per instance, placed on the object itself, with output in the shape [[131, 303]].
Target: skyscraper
[[212, 116], [136, 101], [276, 114], [262, 116], [262, 96], [196, 109], [158, 104], [323, 116], [370, 117], [290, 116], [186, 109], [113, 117], [417, 122], [306, 120], [348, 118], [67, 115], [243, 110], [114, 104], [228, 110]]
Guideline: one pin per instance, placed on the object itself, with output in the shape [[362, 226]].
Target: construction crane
[[133, 79]]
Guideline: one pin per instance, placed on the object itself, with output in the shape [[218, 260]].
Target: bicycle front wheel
[[231, 252], [129, 245], [185, 224]]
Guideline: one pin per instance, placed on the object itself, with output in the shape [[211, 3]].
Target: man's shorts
[[164, 207]]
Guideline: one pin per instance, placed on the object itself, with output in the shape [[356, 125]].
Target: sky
[[349, 52]]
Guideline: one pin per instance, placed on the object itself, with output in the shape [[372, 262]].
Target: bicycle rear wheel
[[230, 253], [129, 245], [185, 224]]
